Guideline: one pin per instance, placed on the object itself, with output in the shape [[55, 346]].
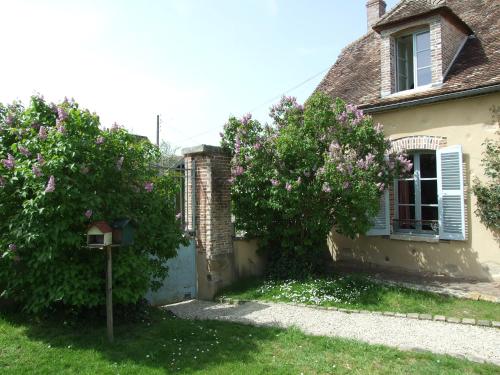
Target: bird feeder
[[123, 232], [99, 234]]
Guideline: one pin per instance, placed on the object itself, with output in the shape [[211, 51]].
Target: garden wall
[[220, 260]]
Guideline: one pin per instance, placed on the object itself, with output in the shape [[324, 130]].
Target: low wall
[[247, 262]]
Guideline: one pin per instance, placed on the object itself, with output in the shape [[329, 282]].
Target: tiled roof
[[407, 9], [355, 77]]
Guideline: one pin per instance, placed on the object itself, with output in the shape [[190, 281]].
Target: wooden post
[[109, 295]]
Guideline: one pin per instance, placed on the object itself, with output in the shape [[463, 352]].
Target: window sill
[[416, 90], [414, 237]]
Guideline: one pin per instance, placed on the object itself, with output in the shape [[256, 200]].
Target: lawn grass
[[165, 344], [358, 292]]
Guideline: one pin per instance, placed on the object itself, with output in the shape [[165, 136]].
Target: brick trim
[[418, 142]]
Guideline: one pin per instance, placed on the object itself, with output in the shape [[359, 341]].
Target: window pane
[[423, 58], [423, 41], [430, 219], [406, 192], [429, 192], [424, 76], [428, 166], [405, 63], [406, 217]]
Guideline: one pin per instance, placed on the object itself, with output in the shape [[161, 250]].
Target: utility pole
[[158, 130]]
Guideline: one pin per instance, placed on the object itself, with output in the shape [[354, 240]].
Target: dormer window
[[413, 54]]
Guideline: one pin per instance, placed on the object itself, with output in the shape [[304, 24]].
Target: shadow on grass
[[162, 342]]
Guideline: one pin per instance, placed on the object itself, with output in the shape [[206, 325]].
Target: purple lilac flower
[[51, 185], [326, 188], [346, 185], [245, 119], [119, 163], [23, 150], [148, 186], [342, 117], [257, 146], [288, 187], [10, 162], [42, 133], [231, 180], [321, 170], [40, 159], [60, 127], [35, 126], [334, 147], [36, 171], [274, 182], [61, 114], [237, 144], [12, 247], [178, 216], [88, 214], [115, 127], [9, 120], [99, 140], [238, 171]]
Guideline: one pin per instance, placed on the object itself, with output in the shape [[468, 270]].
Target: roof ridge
[[436, 3], [397, 6]]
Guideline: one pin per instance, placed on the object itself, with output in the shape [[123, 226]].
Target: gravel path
[[480, 344]]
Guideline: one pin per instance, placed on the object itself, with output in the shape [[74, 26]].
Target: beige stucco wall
[[467, 122], [247, 262]]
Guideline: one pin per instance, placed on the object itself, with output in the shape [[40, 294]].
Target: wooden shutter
[[451, 193], [381, 222]]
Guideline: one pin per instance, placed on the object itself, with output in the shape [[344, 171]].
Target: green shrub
[[488, 193], [58, 173], [316, 167]]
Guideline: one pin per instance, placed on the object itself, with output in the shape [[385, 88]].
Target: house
[[429, 71]]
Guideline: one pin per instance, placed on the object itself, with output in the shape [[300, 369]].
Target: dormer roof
[[356, 75], [410, 10]]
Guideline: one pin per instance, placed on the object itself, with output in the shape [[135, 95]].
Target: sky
[[193, 62]]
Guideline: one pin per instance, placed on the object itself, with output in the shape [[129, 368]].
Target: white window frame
[[417, 180], [415, 63]]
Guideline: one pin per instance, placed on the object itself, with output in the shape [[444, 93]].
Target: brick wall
[[212, 220]]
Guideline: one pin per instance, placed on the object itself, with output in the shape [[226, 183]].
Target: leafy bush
[[488, 193], [58, 173], [316, 167]]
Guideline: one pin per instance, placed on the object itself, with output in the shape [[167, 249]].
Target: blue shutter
[[451, 193], [381, 222]]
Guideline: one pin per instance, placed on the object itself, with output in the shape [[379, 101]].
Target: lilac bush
[[317, 167], [59, 172]]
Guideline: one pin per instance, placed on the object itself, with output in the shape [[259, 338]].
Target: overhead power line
[[264, 103]]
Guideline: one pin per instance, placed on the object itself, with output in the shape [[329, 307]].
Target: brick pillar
[[211, 222]]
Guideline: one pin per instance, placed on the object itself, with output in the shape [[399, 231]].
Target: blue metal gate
[[180, 283]]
